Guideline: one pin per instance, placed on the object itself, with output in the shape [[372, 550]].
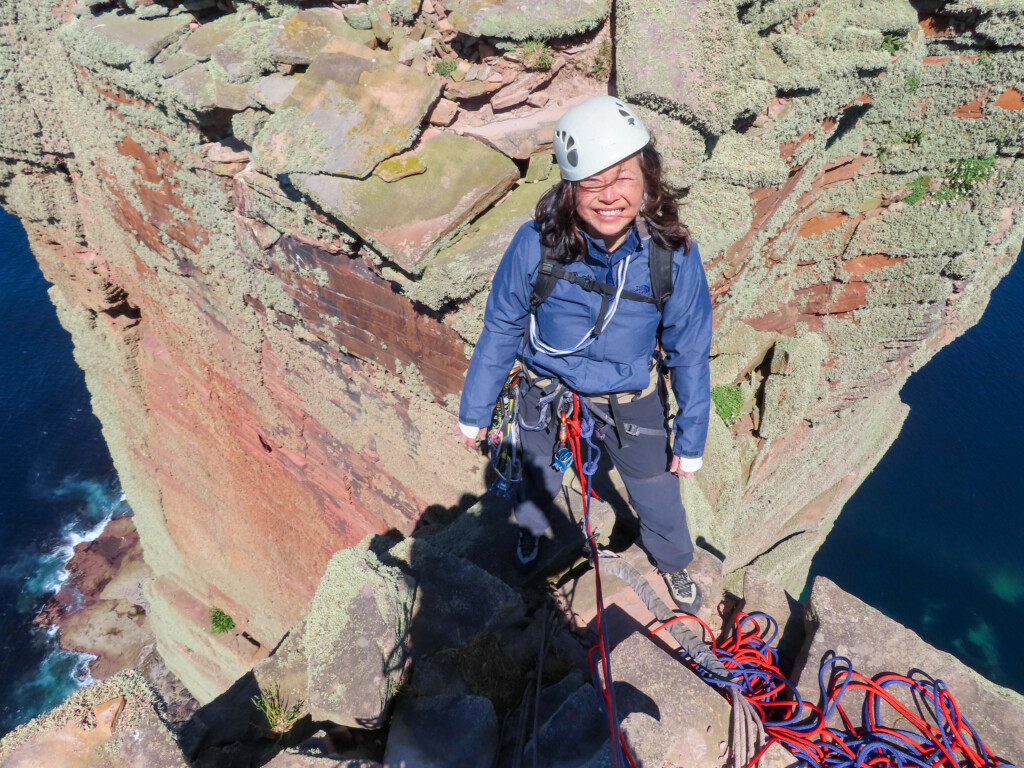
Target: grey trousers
[[642, 463]]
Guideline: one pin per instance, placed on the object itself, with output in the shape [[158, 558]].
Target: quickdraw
[[503, 439]]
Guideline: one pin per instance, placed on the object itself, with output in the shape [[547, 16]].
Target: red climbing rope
[[577, 429], [932, 733]]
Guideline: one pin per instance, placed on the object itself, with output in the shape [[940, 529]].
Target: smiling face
[[609, 201]]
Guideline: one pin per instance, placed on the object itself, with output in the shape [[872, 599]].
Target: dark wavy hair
[[556, 216]]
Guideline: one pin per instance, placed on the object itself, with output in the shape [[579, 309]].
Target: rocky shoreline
[[100, 610]]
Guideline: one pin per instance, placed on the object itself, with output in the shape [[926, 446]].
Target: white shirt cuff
[[687, 464], [468, 431]]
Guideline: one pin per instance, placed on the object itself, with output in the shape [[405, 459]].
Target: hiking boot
[[683, 591], [526, 549]]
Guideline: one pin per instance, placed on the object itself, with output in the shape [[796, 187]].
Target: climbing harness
[[503, 436]]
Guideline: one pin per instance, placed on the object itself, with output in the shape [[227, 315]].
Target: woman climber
[[582, 298]]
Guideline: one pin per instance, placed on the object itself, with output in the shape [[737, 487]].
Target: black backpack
[[551, 271]]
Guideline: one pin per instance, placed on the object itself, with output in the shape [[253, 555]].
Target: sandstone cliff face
[[271, 228]]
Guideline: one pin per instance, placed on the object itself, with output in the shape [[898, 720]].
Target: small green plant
[[220, 622], [965, 177], [985, 60], [891, 44], [728, 400], [535, 54], [913, 83], [280, 715], [918, 190], [883, 153], [603, 60], [445, 67], [912, 137]]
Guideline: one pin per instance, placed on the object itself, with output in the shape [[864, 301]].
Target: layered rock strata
[[272, 272]]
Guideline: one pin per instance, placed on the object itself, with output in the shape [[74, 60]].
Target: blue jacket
[[618, 360]]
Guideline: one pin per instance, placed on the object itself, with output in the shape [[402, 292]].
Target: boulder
[[441, 731], [525, 20], [669, 715], [352, 109], [705, 70], [297, 39], [114, 724], [466, 266], [406, 220], [456, 600], [876, 644], [356, 638], [119, 39], [575, 733]]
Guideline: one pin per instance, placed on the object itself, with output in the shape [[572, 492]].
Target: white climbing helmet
[[595, 135]]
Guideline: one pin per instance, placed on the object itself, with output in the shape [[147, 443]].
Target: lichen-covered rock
[[689, 720], [441, 731], [114, 724], [356, 638], [408, 219], [273, 90], [795, 382], [119, 39], [298, 38], [512, 19], [875, 644], [706, 70], [352, 109], [464, 268]]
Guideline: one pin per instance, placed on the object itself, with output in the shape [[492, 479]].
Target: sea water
[[934, 536], [57, 484]]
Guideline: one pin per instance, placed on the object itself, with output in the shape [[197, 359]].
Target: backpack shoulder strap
[[544, 284], [660, 262]]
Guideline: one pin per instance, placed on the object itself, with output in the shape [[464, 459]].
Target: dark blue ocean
[[933, 536], [57, 482]]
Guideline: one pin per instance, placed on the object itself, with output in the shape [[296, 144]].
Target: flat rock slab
[[526, 19], [205, 39], [669, 715], [356, 638], [122, 38], [442, 731], [466, 267], [273, 90], [875, 644], [407, 219], [297, 39], [352, 109], [701, 64], [520, 137], [112, 724]]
